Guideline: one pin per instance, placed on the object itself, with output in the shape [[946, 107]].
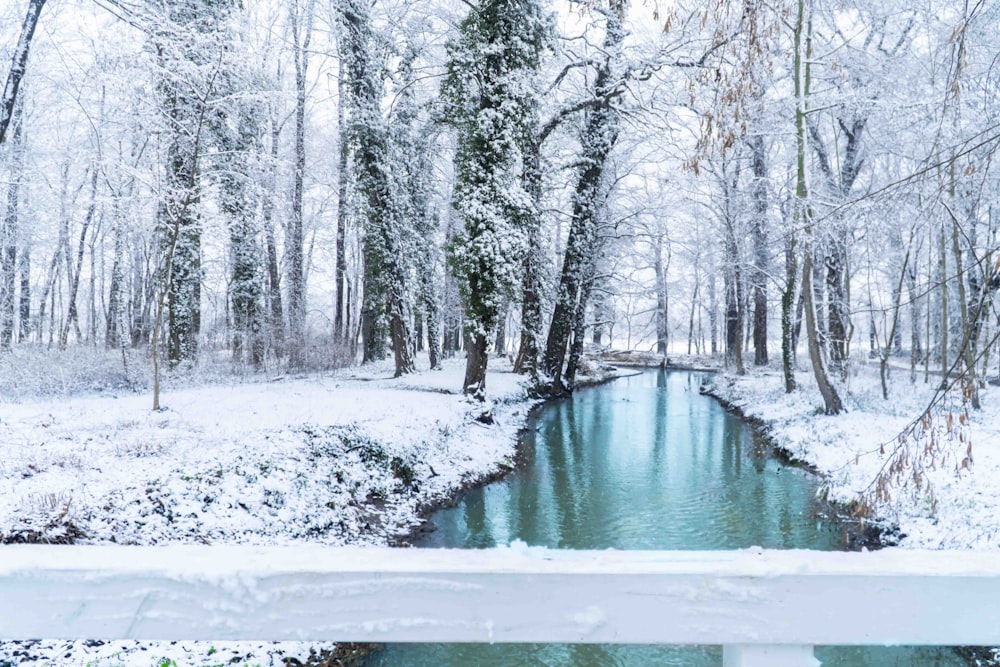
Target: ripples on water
[[644, 462]]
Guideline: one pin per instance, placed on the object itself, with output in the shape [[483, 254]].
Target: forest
[[287, 273], [309, 184]]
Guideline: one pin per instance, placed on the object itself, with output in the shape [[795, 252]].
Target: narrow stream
[[644, 462]]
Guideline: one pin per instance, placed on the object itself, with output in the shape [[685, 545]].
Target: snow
[[343, 458], [349, 458], [955, 508]]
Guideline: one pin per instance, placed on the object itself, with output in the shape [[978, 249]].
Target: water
[[644, 462]]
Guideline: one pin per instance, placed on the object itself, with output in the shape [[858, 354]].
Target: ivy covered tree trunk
[[413, 141], [526, 361], [452, 302], [238, 139], [189, 42], [599, 135], [386, 229], [493, 107], [179, 229]]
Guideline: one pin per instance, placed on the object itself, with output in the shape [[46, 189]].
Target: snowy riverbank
[[954, 508], [349, 457]]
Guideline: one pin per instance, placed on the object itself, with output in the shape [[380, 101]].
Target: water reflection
[[645, 462]]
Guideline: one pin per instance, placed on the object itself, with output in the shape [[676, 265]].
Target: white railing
[[765, 607]]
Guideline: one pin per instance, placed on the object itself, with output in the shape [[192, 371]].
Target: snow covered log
[[514, 594]]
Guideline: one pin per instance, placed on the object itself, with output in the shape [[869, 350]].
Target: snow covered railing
[[766, 607]]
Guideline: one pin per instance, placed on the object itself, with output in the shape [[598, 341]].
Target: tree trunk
[[239, 141], [884, 357], [301, 24], [400, 334], [599, 136], [477, 358], [500, 341], [531, 304], [73, 316], [916, 346], [579, 335], [18, 66], [531, 311], [803, 214], [143, 288], [452, 307], [49, 289], [114, 333], [713, 314], [733, 285], [694, 306], [660, 274], [343, 166], [970, 330], [943, 282], [432, 319], [178, 226], [10, 234], [276, 316], [384, 310], [759, 235], [837, 308], [24, 309], [184, 287]]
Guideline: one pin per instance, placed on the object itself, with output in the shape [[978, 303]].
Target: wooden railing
[[765, 607]]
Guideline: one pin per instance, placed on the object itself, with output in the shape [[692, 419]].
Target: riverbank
[[954, 505], [353, 457], [858, 534]]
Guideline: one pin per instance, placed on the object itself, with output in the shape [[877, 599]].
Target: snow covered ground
[[952, 507], [350, 457], [342, 458]]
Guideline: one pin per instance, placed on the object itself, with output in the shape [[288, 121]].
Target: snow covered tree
[[237, 135], [301, 23], [11, 113], [803, 215], [18, 66], [597, 139], [491, 100], [188, 41], [9, 234], [412, 132], [387, 236]]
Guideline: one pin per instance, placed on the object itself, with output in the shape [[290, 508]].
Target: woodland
[[354, 241], [283, 186]]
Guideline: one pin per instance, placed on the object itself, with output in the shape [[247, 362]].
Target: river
[[643, 462]]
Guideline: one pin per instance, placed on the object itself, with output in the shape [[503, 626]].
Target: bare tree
[[18, 66]]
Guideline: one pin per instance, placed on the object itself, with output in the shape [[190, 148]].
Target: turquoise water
[[644, 462]]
